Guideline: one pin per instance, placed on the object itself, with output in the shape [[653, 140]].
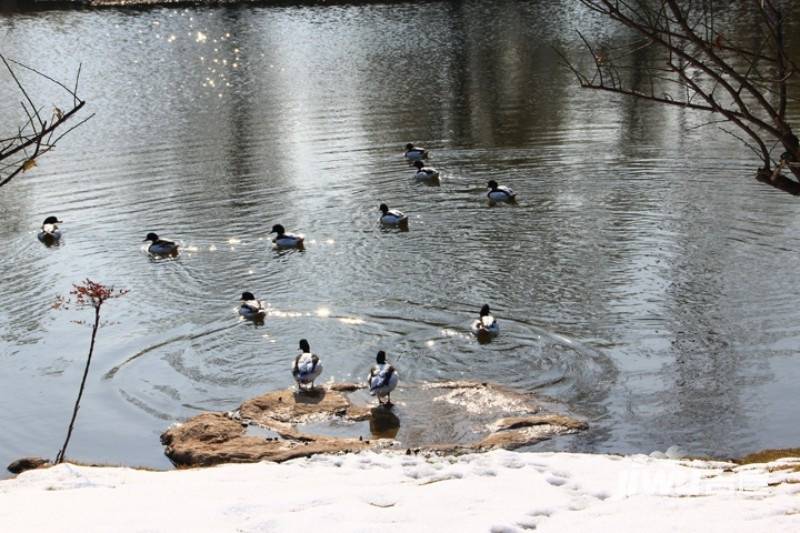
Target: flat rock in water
[[266, 427]]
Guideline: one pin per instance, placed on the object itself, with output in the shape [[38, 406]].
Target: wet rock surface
[[27, 463], [446, 417]]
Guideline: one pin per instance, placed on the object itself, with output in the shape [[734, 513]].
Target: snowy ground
[[498, 491]]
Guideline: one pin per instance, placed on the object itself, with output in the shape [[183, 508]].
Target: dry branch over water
[[701, 65], [21, 147]]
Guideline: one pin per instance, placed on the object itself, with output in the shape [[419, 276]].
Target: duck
[[286, 240], [392, 217], [500, 193], [415, 153], [306, 367], [382, 379], [485, 325], [425, 173], [160, 246], [251, 308], [50, 233]]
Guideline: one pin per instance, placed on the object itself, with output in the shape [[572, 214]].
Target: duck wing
[[381, 378]]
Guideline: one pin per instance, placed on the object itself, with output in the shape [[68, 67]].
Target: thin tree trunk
[[63, 450]]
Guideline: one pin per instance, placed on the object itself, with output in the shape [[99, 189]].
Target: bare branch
[[34, 138]]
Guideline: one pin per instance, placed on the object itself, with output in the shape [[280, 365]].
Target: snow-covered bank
[[496, 491]]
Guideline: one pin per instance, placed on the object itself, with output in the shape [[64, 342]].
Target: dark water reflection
[[644, 278]]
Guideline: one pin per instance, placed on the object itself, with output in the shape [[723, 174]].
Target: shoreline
[[500, 491]]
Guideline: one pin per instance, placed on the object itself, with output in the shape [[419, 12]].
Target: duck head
[[419, 164], [247, 296], [381, 358], [384, 208], [485, 310], [52, 220], [304, 346], [151, 237], [409, 146], [277, 228], [492, 185]]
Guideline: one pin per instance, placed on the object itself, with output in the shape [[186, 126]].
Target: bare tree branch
[[747, 84], [36, 133]]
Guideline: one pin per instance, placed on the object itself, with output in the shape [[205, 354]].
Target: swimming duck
[[160, 246], [50, 233], [425, 173], [500, 193], [286, 240], [382, 379], [392, 217], [251, 308], [306, 367], [486, 325], [415, 153]]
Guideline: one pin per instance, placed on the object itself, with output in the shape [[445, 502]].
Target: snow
[[500, 491]]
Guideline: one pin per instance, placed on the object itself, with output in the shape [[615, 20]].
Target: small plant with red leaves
[[94, 294], [86, 294]]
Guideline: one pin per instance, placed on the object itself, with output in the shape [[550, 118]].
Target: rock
[[517, 422], [515, 432], [27, 463], [213, 438], [294, 407]]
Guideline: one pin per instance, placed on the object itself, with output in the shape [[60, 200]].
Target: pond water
[[644, 279]]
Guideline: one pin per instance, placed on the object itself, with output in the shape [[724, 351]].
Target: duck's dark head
[[381, 358], [419, 164], [304, 346], [485, 310], [247, 296], [277, 228], [492, 185], [151, 237], [51, 220], [384, 208], [409, 146]]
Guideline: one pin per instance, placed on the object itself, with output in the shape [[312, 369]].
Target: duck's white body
[[288, 240], [416, 154], [486, 325], [161, 247], [502, 194], [382, 380], [306, 367], [252, 309], [50, 232], [393, 217], [427, 174]]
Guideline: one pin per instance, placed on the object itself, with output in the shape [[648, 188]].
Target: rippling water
[[644, 279]]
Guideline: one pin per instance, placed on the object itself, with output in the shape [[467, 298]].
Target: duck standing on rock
[[425, 173], [286, 240], [500, 193], [306, 367], [382, 379], [486, 326], [50, 233], [393, 217], [415, 153], [251, 308], [160, 246]]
